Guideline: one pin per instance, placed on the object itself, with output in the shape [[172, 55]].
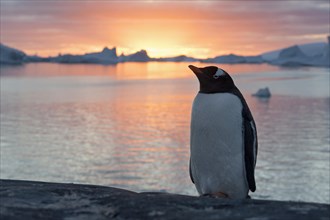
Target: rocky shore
[[40, 200]]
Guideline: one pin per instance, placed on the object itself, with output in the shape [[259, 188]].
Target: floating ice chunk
[[263, 93]]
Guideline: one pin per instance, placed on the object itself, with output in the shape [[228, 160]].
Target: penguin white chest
[[217, 145]]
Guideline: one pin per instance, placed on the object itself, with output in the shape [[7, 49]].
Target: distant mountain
[[35, 58], [254, 59], [291, 56], [311, 49], [313, 54], [270, 55], [140, 56], [10, 55], [181, 58], [232, 59], [106, 56]]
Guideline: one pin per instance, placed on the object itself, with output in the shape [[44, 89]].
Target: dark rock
[[39, 200]]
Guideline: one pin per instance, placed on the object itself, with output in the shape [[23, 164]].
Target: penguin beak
[[195, 69]]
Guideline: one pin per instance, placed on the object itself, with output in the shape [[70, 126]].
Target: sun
[[160, 38], [156, 44]]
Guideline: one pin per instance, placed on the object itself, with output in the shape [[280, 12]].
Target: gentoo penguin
[[223, 137]]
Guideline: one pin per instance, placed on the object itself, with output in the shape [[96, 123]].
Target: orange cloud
[[200, 28]]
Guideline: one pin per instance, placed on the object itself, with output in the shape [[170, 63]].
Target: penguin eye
[[218, 74]]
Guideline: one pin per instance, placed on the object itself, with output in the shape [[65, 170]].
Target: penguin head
[[213, 79]]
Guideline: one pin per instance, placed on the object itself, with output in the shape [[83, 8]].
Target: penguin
[[223, 137]]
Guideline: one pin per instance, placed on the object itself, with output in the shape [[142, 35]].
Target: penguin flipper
[[250, 141], [250, 148], [190, 172]]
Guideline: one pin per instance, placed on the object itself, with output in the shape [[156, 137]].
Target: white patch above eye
[[218, 73]]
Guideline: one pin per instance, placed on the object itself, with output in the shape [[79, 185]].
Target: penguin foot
[[216, 195]]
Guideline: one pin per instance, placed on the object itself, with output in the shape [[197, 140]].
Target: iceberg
[[233, 59], [140, 56], [291, 56], [323, 59], [106, 56], [35, 58], [313, 49], [310, 49], [263, 93], [312, 54], [271, 55], [254, 59], [230, 58], [181, 58]]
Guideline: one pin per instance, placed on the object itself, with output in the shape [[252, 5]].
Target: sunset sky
[[164, 28]]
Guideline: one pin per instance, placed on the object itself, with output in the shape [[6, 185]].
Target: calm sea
[[128, 126]]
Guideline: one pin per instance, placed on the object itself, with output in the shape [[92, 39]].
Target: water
[[128, 126]]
